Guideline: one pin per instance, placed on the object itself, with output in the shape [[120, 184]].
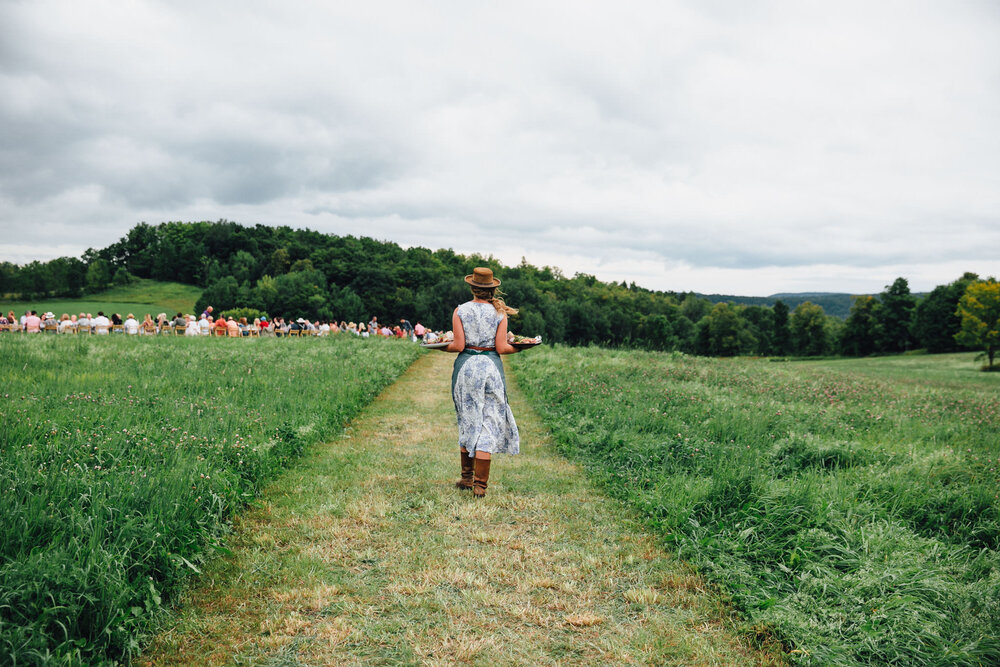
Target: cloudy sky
[[715, 146]]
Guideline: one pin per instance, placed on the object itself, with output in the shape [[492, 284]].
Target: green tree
[[243, 267], [302, 265], [808, 330], [936, 321], [728, 334], [8, 278], [221, 295], [760, 324], [894, 315], [346, 305], [122, 277], [303, 294], [266, 294], [857, 338], [280, 261], [979, 310], [781, 339], [694, 308], [657, 332], [98, 275], [72, 275], [528, 322], [37, 279]]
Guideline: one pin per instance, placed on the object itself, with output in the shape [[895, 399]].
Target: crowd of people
[[207, 325]]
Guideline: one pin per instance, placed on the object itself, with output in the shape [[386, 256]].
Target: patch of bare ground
[[365, 553]]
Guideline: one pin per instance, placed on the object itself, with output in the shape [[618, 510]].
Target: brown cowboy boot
[[468, 468], [482, 477]]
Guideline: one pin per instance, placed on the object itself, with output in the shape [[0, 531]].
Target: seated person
[[101, 324]]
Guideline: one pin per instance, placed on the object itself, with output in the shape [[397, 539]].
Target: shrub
[[236, 313]]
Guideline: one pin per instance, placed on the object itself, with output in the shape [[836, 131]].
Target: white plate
[[435, 346]]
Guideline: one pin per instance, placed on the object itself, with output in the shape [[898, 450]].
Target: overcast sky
[[732, 147]]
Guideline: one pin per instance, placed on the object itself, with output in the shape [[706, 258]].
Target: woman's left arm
[[458, 331], [503, 347]]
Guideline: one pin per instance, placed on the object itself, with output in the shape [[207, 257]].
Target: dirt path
[[365, 553]]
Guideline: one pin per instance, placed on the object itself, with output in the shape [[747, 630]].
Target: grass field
[[121, 461], [365, 553], [848, 508], [140, 297]]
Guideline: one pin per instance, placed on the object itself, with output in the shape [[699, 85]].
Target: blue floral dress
[[485, 422]]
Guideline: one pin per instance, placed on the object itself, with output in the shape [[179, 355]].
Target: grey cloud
[[755, 139]]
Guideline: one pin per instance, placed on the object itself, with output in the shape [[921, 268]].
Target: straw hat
[[482, 277]]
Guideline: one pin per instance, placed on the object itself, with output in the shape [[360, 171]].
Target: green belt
[[465, 355]]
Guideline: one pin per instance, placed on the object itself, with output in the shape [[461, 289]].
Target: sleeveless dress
[[485, 421]]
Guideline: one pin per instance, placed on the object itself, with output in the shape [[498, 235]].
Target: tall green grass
[[854, 517], [121, 460]]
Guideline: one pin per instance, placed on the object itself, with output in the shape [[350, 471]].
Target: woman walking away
[[485, 423]]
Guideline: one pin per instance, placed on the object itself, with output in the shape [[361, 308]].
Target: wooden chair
[[101, 329], [294, 333], [4, 327], [179, 331], [118, 328], [255, 333], [220, 333]]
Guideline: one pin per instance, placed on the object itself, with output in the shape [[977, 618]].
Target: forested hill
[[833, 303], [304, 273]]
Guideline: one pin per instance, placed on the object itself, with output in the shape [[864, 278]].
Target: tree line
[[304, 273]]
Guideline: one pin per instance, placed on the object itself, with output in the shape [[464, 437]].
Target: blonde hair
[[493, 295]]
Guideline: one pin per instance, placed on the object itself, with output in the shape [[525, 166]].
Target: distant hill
[[837, 304]]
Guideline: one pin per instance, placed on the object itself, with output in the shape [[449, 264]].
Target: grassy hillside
[[847, 507], [140, 297]]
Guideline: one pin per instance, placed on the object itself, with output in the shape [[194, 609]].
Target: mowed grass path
[[365, 553]]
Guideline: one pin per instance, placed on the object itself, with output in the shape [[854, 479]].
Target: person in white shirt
[[83, 323], [324, 329], [193, 328], [101, 324], [131, 325], [204, 326]]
